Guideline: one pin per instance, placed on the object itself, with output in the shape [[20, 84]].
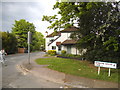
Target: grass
[[78, 68]]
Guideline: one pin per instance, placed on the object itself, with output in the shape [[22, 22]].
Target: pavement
[[69, 80]]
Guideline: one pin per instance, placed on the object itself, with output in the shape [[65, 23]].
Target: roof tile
[[68, 42]]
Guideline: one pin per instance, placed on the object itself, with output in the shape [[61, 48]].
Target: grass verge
[[78, 68]]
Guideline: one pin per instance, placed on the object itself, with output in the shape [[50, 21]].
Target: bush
[[102, 55], [52, 52], [9, 42], [63, 52], [71, 56]]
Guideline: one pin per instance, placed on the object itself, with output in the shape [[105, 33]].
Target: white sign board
[[105, 64]]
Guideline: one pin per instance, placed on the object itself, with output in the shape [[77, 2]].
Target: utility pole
[[29, 41]]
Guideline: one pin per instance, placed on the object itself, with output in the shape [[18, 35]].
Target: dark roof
[[68, 42], [53, 34], [70, 29]]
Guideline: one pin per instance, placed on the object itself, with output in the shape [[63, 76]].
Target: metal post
[[98, 70], [28, 53], [29, 41], [109, 72]]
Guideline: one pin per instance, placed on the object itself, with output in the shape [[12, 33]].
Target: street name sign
[[106, 65]]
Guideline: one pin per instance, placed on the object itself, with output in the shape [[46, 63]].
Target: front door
[[69, 49]]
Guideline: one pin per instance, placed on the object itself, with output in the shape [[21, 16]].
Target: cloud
[[30, 11]]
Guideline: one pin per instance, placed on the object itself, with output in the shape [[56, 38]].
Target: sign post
[[98, 70], [109, 72], [29, 41], [106, 65]]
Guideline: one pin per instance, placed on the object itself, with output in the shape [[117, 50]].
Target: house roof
[[70, 29], [53, 34], [53, 40], [68, 42], [57, 33]]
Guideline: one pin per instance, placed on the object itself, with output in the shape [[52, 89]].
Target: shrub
[[63, 52], [52, 52], [9, 42], [72, 56]]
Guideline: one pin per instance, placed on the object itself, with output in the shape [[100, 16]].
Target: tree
[[100, 32], [98, 24], [39, 42], [20, 30], [9, 42]]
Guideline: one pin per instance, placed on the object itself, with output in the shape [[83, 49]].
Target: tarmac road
[[14, 78]]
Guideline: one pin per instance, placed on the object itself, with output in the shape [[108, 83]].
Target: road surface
[[14, 78]]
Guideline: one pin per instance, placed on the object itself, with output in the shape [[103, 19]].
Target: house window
[[53, 47], [59, 48]]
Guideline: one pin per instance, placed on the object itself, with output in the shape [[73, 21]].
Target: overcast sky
[[30, 10]]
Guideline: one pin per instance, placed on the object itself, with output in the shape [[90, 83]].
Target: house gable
[[61, 39], [54, 34]]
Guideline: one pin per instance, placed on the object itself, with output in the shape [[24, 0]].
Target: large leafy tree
[[98, 24], [39, 42], [21, 29]]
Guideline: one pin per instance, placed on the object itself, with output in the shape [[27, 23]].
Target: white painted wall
[[47, 42], [73, 50], [63, 37], [64, 48]]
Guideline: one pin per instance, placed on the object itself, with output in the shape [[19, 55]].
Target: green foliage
[[78, 68], [52, 52], [99, 30], [102, 55], [71, 56], [39, 42], [9, 42], [111, 42], [63, 52], [20, 30]]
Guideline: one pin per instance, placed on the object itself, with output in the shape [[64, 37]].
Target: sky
[[30, 10]]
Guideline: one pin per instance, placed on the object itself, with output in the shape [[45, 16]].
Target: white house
[[61, 41]]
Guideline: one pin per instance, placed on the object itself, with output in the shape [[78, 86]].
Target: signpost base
[[98, 70], [109, 72]]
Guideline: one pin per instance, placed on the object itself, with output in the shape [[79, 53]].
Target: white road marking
[[20, 69]]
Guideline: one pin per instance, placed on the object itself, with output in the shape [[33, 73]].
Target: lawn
[[78, 68]]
